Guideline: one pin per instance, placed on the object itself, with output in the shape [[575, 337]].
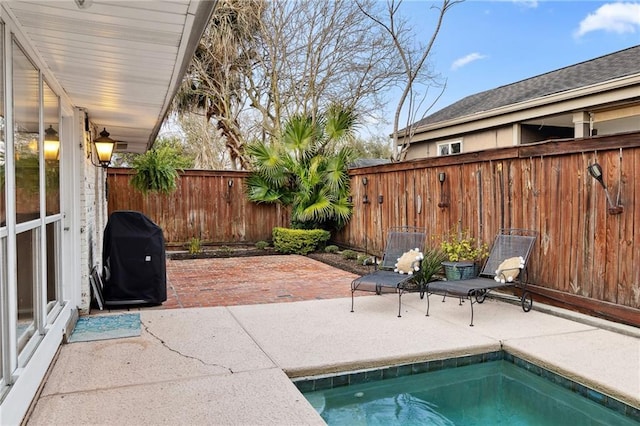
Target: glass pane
[[26, 134], [3, 214], [3, 283], [51, 150], [52, 264], [456, 148], [27, 279]]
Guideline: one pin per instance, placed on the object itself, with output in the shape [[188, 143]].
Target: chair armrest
[[371, 261]]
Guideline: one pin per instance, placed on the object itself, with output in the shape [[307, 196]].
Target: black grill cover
[[133, 256]]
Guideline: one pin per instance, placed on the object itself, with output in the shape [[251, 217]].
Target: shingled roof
[[614, 65]]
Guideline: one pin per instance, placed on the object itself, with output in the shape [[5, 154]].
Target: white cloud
[[612, 17], [466, 60]]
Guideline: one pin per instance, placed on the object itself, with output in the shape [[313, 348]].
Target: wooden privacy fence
[[584, 256], [209, 205]]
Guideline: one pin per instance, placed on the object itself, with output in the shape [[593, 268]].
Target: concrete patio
[[232, 365]]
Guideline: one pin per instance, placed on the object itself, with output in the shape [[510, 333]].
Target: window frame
[[449, 145]]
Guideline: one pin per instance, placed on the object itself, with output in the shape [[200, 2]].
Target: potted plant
[[464, 255], [157, 169], [430, 266]]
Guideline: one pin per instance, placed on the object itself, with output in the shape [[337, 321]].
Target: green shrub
[[349, 254], [363, 258], [299, 241], [331, 249], [262, 245], [225, 250], [195, 246]]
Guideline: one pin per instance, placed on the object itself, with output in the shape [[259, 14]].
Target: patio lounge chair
[[508, 243], [384, 279]]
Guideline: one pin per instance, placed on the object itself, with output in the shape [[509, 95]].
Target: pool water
[[491, 393]]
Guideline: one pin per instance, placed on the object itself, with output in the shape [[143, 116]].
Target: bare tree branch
[[413, 64]]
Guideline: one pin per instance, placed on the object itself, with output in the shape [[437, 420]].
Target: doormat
[[106, 327]]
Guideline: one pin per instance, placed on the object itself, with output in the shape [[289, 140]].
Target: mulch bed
[[338, 261]]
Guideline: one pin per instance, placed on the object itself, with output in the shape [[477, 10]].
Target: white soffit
[[121, 60]]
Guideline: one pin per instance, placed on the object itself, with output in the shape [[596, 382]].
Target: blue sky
[[487, 44]]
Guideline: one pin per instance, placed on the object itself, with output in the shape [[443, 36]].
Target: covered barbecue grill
[[133, 257]]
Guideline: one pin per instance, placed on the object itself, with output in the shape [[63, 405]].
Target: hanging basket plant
[[157, 170]]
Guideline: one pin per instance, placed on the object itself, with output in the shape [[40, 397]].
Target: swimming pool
[[494, 392]]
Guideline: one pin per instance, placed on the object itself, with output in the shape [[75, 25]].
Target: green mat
[[106, 327]]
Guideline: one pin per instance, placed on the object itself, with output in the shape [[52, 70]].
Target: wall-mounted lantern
[[104, 149], [365, 198], [595, 170], [380, 199], [227, 197], [442, 177]]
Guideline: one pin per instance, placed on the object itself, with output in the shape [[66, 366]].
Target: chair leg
[[471, 325], [399, 303], [352, 299], [427, 293]]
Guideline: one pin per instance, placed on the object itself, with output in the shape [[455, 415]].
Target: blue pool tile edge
[[319, 383]]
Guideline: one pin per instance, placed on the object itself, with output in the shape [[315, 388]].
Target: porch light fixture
[[595, 170], [51, 144], [380, 199], [365, 181], [104, 149]]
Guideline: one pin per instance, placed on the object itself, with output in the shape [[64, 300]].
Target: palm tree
[[212, 85], [307, 169]]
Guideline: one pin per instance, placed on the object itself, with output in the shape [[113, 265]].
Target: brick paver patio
[[252, 280]]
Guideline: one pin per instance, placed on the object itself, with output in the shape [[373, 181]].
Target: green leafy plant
[[262, 245], [225, 250], [463, 247], [331, 249], [431, 265], [195, 245], [299, 241], [157, 169], [304, 168], [349, 254]]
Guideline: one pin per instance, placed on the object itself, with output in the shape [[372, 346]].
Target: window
[[26, 143], [449, 148], [51, 148], [3, 217], [26, 112]]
